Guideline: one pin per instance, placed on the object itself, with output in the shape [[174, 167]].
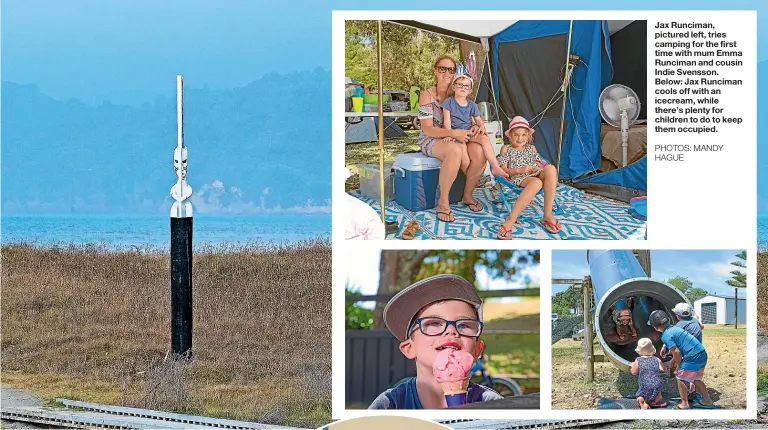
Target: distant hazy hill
[[250, 149]]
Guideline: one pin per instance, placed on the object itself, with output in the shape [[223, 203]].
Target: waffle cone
[[455, 387]]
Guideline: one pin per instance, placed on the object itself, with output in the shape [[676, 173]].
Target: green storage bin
[[373, 99]]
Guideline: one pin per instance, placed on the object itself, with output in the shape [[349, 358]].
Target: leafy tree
[[739, 280], [400, 268], [685, 285], [407, 54], [681, 283], [565, 301], [357, 317], [696, 293]]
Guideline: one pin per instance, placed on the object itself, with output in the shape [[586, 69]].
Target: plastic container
[[357, 104], [416, 180], [369, 181], [373, 99]]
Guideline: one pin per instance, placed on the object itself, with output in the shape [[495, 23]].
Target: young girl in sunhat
[[526, 169], [648, 369]]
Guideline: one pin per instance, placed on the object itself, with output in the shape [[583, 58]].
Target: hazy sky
[[119, 50], [130, 51], [707, 269], [96, 50]]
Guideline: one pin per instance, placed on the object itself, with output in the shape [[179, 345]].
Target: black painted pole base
[[181, 286]]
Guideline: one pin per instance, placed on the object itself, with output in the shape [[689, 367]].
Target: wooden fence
[[374, 363]]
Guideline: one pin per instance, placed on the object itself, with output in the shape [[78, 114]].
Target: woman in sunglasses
[[439, 142]]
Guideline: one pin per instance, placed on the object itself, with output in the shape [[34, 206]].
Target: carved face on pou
[[180, 162]]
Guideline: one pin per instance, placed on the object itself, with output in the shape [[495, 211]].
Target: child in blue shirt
[[686, 320], [689, 359], [459, 112]]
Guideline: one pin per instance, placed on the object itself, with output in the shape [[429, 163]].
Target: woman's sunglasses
[[443, 70]]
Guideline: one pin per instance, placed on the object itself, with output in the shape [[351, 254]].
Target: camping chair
[[502, 182]]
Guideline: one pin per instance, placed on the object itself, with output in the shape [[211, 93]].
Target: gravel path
[[12, 397], [762, 349]]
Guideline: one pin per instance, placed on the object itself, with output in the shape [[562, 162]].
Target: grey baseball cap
[[403, 307], [658, 318]]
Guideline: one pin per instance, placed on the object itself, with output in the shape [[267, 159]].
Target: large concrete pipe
[[617, 276]]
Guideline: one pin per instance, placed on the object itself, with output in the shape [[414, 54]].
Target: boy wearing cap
[[437, 313], [689, 359], [687, 322]]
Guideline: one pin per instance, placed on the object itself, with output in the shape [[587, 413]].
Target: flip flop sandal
[[703, 406], [503, 233], [448, 214], [659, 405], [682, 409], [550, 227], [474, 206], [556, 229], [410, 230]]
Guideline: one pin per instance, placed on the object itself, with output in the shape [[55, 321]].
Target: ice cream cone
[[451, 369], [456, 386], [455, 392]]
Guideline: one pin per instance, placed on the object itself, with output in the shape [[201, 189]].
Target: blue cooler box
[[416, 179]]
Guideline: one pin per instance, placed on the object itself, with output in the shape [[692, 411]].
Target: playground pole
[[589, 349], [566, 84]]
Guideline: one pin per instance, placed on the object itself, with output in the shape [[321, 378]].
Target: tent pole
[[380, 98], [493, 90], [566, 84]]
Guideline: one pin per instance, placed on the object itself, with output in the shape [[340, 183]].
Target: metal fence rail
[[94, 415], [520, 424]]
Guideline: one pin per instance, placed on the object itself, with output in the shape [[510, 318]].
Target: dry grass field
[[83, 323], [762, 291], [762, 317]]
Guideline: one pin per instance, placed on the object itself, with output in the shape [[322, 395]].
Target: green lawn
[[762, 381], [512, 354]]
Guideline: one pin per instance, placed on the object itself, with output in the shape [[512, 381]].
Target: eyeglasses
[[463, 86], [443, 70], [435, 326]]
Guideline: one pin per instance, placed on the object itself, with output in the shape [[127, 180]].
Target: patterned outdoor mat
[[583, 217]]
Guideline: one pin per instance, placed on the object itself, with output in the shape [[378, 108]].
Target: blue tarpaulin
[[591, 42], [528, 62], [633, 179]]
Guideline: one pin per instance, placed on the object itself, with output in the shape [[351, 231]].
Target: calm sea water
[[154, 230]]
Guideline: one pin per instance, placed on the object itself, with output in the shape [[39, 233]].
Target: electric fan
[[620, 107]]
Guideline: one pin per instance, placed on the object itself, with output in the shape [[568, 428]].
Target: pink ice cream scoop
[[451, 369]]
